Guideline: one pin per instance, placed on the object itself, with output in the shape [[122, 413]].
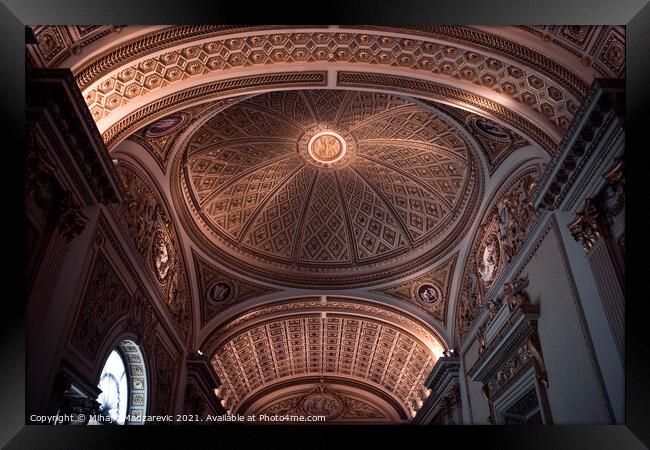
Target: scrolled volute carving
[[514, 293], [70, 220], [587, 227]]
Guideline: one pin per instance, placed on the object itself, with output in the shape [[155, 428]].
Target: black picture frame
[[16, 14]]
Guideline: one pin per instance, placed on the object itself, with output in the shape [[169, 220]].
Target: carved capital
[[587, 227], [69, 219]]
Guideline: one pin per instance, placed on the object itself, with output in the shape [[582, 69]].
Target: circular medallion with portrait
[[429, 293], [219, 292]]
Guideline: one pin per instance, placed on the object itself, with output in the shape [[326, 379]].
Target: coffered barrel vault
[[299, 340], [349, 222]]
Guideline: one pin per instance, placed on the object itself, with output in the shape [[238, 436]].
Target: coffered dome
[[352, 183]]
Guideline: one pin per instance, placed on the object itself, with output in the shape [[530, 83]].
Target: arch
[[317, 336], [135, 380], [528, 170], [279, 300], [479, 67], [384, 407]]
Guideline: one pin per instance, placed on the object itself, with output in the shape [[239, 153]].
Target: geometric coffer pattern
[[309, 345], [401, 186], [432, 52], [603, 48]]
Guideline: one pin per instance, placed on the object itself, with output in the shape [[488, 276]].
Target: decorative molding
[[324, 401], [160, 145], [600, 47], [52, 93], [316, 305], [55, 43], [155, 239], [245, 227], [104, 301], [206, 92], [603, 105], [233, 289], [537, 82], [200, 391], [436, 91], [502, 234], [310, 343], [358, 399], [438, 278], [496, 141], [441, 402]]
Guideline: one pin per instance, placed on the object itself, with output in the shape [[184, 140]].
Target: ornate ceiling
[[302, 339], [321, 207], [339, 401], [402, 179]]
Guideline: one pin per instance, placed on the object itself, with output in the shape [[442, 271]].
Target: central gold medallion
[[327, 147]]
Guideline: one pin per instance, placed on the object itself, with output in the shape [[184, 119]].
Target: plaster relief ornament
[[523, 205], [515, 295], [160, 256], [491, 129], [312, 187], [489, 260], [506, 236], [493, 309], [219, 292], [322, 403], [428, 293], [472, 286], [326, 146], [165, 125]]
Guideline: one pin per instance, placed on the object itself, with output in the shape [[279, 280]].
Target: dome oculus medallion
[[326, 147], [328, 184]]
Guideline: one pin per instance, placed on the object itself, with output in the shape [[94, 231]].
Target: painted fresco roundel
[[319, 186]]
